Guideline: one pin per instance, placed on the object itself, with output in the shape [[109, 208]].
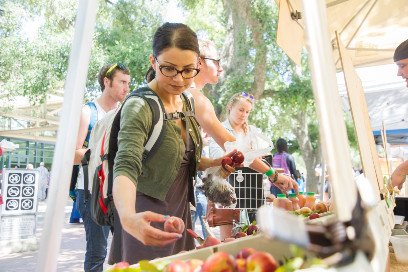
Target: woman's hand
[[138, 225], [285, 183], [206, 163], [228, 170]]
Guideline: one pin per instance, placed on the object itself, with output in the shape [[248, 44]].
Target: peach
[[240, 234], [120, 265], [305, 210], [321, 207], [210, 241], [195, 265], [245, 253], [261, 262], [220, 261], [252, 229], [174, 224], [177, 266]]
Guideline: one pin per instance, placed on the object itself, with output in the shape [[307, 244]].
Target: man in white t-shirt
[[114, 80]]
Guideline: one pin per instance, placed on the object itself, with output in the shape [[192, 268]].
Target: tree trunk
[[310, 155], [258, 31]]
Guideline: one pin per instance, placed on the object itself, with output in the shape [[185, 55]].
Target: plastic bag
[[217, 189], [253, 145], [7, 146]]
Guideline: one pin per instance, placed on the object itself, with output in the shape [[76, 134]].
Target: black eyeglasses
[[216, 61], [170, 71], [120, 66], [247, 95]]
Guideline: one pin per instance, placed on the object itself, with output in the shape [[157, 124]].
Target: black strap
[[74, 177], [85, 162]]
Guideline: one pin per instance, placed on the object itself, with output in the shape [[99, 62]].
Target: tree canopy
[[34, 64]]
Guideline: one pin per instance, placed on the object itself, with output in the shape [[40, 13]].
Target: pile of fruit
[[247, 259], [318, 210]]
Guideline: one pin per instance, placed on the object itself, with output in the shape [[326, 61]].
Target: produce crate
[[279, 250]]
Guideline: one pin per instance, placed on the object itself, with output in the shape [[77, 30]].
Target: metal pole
[[332, 128], [67, 134]]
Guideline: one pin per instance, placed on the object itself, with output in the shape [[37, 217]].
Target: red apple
[[220, 262], [174, 224], [238, 158], [252, 229], [226, 161], [177, 266], [261, 262], [239, 235], [196, 265], [314, 216]]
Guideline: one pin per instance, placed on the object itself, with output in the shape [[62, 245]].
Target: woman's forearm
[[124, 196]]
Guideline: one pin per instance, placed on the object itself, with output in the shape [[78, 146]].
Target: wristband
[[275, 178], [269, 172]]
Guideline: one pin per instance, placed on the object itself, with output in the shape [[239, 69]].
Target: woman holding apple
[[238, 109]]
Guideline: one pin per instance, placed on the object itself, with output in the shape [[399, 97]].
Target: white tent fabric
[[387, 101], [370, 29]]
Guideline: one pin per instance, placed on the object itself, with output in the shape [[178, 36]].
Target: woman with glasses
[[145, 193], [238, 109]]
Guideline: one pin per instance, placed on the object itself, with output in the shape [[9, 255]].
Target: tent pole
[[67, 134], [332, 127]]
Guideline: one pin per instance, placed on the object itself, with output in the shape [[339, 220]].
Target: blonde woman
[[238, 109]]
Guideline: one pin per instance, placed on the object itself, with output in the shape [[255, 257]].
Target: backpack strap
[[188, 99], [85, 162], [92, 121]]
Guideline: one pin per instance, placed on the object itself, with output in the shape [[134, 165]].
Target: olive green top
[[154, 177]]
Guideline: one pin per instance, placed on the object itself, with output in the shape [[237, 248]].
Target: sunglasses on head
[[118, 65], [247, 95]]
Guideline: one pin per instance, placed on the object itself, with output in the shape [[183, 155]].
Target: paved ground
[[72, 246]]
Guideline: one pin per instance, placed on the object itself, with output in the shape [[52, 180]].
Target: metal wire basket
[[248, 185]]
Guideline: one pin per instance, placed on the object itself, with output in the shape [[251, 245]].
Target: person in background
[[401, 60], [48, 182], [282, 159], [30, 166], [238, 110], [114, 80], [43, 180]]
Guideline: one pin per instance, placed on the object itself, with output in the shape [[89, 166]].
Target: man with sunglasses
[[114, 80]]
